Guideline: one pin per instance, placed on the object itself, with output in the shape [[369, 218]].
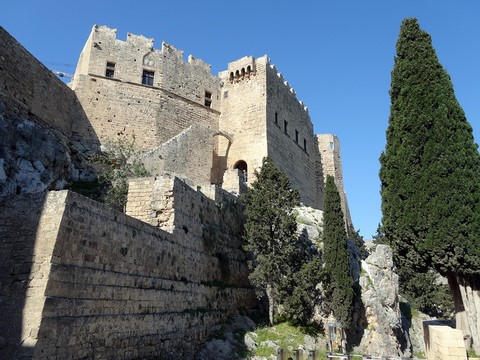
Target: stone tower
[[193, 124]]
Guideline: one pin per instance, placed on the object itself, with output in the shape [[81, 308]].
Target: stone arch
[[220, 157], [242, 166]]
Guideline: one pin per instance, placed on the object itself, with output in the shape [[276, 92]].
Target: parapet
[[283, 82]]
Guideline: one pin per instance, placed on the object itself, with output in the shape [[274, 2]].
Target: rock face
[[33, 158], [310, 223], [382, 333]]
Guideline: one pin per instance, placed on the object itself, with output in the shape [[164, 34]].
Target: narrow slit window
[[285, 126], [276, 118], [147, 77], [305, 144], [331, 145], [296, 135], [208, 99]]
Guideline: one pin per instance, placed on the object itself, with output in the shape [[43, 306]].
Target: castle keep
[[80, 280], [193, 124]]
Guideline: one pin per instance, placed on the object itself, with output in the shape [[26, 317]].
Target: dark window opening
[[305, 144], [285, 126], [110, 70], [276, 118], [296, 135], [225, 94], [147, 77], [231, 76], [331, 145], [208, 99]]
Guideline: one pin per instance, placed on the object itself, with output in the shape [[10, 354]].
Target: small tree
[[270, 232], [338, 280], [117, 164]]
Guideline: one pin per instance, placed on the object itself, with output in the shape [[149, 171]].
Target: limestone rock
[[383, 333]]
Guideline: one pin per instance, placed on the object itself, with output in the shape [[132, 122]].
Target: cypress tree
[[270, 232], [338, 280], [430, 169]]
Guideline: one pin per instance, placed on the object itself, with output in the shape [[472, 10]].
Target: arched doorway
[[242, 166]]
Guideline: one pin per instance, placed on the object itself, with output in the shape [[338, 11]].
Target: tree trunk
[[271, 304], [466, 296]]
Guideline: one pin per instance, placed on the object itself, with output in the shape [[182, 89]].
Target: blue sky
[[337, 55]]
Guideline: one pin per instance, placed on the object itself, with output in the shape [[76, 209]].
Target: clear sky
[[336, 54]]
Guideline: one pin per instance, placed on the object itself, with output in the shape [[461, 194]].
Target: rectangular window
[[331, 145], [276, 118], [147, 77], [110, 70], [225, 94], [285, 126], [208, 99], [296, 135]]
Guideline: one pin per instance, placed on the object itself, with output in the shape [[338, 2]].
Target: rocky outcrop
[[382, 333], [34, 158]]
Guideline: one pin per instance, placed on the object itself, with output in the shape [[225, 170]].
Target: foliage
[[430, 169], [357, 239], [338, 280], [284, 335], [285, 267], [117, 164], [270, 232], [299, 303]]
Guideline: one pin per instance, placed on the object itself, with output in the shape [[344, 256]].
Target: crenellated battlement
[[283, 82]]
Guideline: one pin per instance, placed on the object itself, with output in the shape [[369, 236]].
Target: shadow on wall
[[19, 282], [45, 137]]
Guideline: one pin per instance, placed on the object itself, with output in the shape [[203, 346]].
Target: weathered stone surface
[[79, 278], [383, 334]]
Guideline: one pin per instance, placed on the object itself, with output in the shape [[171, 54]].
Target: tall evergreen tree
[[430, 169], [270, 232], [338, 280]]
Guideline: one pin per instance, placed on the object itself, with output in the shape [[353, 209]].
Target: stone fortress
[[195, 125], [80, 280]]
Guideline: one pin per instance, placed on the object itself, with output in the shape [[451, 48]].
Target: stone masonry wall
[[189, 79], [118, 109], [120, 105], [110, 286], [291, 142], [329, 148], [243, 116], [29, 90], [187, 155]]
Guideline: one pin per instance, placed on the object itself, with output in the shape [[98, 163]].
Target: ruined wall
[[291, 142], [85, 281], [443, 342], [187, 155], [119, 104], [331, 163], [29, 90]]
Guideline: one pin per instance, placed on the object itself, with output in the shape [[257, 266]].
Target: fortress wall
[[293, 149], [118, 109], [187, 155], [119, 288], [189, 79], [243, 116], [329, 148], [30, 90]]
